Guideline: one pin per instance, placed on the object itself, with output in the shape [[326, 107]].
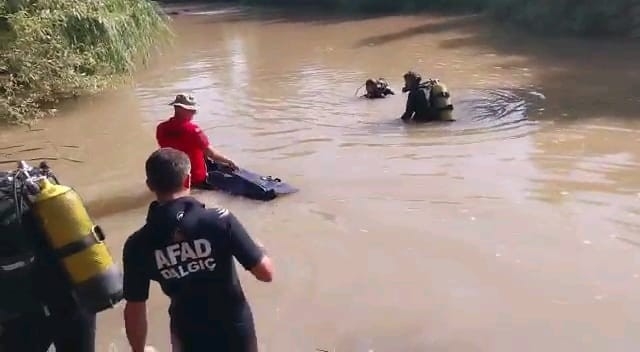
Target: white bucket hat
[[185, 101]]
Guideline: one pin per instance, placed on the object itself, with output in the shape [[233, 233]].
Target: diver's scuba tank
[[439, 96], [77, 242], [382, 84], [440, 100]]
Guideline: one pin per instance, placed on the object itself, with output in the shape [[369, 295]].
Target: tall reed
[[56, 49]]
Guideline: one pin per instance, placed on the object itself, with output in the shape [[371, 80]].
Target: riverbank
[[81, 48], [58, 49], [586, 18]]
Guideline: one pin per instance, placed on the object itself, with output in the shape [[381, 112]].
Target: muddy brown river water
[[516, 228]]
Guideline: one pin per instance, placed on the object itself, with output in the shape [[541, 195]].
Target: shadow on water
[[453, 23], [232, 13]]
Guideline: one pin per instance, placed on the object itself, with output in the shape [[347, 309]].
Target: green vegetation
[[57, 49], [582, 17]]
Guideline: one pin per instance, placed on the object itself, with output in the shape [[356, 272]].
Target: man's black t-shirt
[[189, 251]]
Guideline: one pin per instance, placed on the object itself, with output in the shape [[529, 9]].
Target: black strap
[[17, 262], [94, 237]]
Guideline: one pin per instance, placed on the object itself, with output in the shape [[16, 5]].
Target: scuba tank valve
[[24, 175]]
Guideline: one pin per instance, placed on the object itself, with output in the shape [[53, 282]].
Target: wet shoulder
[[216, 218], [214, 225]]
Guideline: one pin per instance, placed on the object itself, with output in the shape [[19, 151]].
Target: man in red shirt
[[181, 133]]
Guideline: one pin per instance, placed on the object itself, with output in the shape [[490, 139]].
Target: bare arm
[[250, 254], [215, 155], [410, 108], [135, 323], [263, 271], [136, 292], [209, 151]]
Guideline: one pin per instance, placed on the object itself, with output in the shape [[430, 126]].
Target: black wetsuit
[[66, 326], [241, 183], [209, 184], [189, 251], [379, 93], [418, 106]]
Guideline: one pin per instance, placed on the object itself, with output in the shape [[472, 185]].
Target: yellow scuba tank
[[440, 97], [78, 244]]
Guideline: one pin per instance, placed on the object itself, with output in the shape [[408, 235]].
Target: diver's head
[[411, 80], [185, 106], [168, 173], [371, 86]]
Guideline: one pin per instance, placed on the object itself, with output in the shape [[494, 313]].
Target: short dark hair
[[413, 75], [166, 169]]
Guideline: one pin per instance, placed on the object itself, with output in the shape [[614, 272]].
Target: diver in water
[[429, 101], [181, 133], [377, 89]]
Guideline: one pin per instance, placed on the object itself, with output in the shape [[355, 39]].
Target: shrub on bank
[[56, 49]]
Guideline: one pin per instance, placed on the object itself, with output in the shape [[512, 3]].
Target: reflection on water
[[516, 223]]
